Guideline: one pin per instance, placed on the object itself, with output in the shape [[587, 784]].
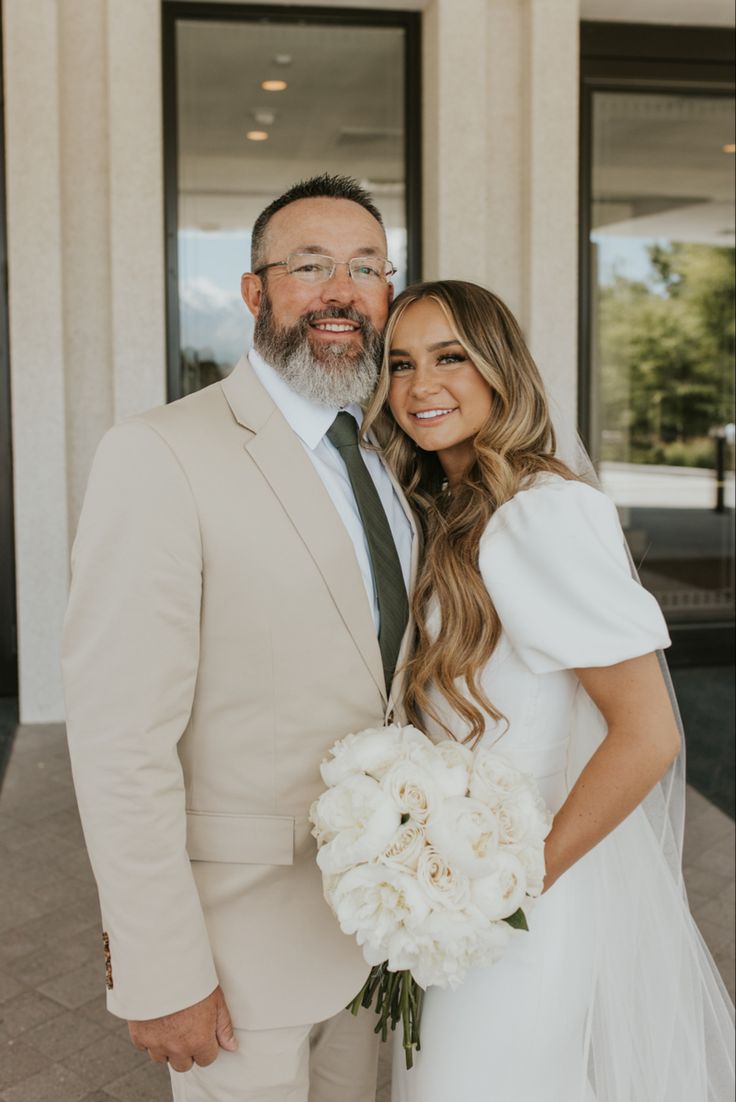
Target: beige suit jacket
[[218, 641]]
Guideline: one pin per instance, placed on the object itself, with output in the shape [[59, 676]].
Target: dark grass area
[[706, 699], [8, 724]]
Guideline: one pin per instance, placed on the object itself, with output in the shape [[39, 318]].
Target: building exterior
[[115, 174]]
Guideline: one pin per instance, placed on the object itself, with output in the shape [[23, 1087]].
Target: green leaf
[[517, 920]]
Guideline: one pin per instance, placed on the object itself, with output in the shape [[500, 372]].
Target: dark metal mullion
[[413, 146], [8, 614], [171, 201]]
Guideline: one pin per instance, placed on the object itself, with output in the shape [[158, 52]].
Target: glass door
[[657, 312], [662, 347], [257, 99]]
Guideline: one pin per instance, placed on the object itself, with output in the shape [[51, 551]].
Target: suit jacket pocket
[[240, 839]]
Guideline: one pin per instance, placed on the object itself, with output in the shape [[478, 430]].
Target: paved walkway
[[57, 1042]]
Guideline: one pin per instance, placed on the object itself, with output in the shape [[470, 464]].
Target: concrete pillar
[[36, 319], [501, 165]]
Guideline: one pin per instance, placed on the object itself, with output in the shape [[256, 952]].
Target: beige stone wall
[[86, 278], [84, 163]]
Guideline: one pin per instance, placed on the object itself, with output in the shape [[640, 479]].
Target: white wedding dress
[[611, 996]]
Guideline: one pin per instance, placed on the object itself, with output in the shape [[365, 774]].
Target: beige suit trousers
[[333, 1061]]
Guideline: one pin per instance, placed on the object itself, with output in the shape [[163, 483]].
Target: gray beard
[[333, 374]]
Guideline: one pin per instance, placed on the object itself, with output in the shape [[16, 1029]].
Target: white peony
[[441, 949], [443, 885], [465, 832], [371, 751], [405, 847], [523, 818], [502, 893], [448, 763], [493, 778], [532, 860], [357, 819], [373, 902]]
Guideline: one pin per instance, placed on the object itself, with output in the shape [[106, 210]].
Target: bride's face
[[436, 394]]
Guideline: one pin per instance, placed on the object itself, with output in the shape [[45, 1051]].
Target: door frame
[[636, 57]]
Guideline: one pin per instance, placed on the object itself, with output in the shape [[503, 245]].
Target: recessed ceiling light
[[257, 135], [730, 147], [274, 85], [282, 59]]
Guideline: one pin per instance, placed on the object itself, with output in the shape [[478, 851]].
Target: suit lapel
[[279, 455]]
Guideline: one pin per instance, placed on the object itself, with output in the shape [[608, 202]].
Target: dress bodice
[[554, 562]]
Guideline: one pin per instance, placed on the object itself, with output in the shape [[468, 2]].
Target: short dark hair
[[318, 187]]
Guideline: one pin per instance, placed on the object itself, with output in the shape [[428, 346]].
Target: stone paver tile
[[54, 1084], [26, 1011], [62, 893], [34, 810], [717, 938], [719, 911], [49, 961], [64, 1035], [96, 1010], [9, 987], [18, 1061], [77, 987], [704, 882], [18, 909], [719, 858], [105, 1061], [148, 1083], [48, 930]]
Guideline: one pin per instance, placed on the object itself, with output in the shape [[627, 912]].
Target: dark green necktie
[[393, 607]]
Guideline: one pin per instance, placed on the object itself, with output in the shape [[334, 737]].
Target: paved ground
[[57, 1042]]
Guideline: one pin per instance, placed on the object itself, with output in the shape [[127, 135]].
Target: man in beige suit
[[238, 603]]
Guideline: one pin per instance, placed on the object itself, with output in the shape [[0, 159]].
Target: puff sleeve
[[554, 561]]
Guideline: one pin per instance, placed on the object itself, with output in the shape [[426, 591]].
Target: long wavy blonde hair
[[516, 442]]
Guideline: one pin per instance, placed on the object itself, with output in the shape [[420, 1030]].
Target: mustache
[[334, 313]]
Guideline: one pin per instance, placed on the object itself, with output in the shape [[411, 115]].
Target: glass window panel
[[342, 111], [662, 262]]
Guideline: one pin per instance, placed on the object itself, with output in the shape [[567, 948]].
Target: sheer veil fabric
[[660, 1026]]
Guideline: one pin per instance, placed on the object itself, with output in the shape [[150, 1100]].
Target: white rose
[[493, 778], [412, 789], [373, 902], [465, 832], [443, 885], [502, 893], [405, 847], [359, 820]]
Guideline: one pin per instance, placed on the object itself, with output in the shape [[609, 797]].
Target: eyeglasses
[[313, 268]]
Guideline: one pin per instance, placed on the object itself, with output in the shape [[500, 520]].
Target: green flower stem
[[406, 1016], [397, 997]]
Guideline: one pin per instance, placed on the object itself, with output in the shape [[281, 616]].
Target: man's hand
[[191, 1036]]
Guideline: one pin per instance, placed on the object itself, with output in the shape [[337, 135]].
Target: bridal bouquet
[[427, 853]]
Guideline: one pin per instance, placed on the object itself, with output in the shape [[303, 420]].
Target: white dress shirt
[[310, 421]]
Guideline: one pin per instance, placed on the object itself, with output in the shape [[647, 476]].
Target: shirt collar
[[310, 420]]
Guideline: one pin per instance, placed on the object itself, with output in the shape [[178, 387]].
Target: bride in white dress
[[535, 638]]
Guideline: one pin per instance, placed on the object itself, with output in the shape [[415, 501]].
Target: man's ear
[[251, 289]]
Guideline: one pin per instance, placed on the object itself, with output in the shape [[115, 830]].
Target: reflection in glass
[[662, 247], [328, 99]]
